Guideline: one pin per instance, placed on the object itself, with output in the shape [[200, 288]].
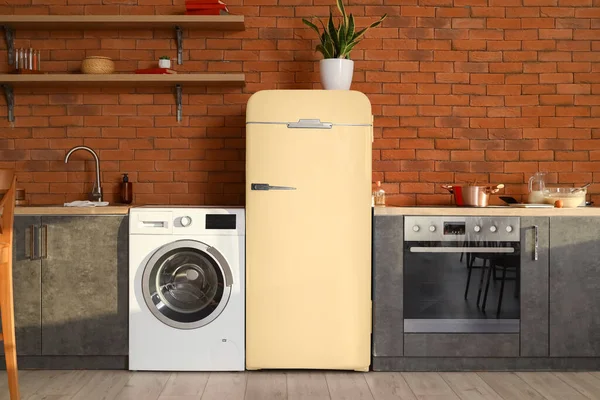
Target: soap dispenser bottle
[[126, 190]]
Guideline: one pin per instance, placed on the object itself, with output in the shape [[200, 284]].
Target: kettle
[[537, 184]]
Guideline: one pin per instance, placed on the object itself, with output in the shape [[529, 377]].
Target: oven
[[461, 274]]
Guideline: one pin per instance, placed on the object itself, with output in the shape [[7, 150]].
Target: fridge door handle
[[310, 124], [266, 186]]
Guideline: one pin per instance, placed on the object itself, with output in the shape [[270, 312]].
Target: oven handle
[[496, 250], [536, 244]]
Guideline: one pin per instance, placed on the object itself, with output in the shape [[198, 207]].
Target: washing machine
[[186, 289]]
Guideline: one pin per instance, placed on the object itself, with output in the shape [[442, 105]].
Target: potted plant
[[336, 45], [164, 62]]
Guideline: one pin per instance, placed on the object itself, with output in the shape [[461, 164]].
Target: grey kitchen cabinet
[[535, 232], [574, 286], [27, 272], [75, 294], [388, 316], [84, 286]]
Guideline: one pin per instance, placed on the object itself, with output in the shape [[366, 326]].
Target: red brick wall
[[462, 90]]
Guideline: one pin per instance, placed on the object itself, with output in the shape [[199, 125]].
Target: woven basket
[[97, 65]]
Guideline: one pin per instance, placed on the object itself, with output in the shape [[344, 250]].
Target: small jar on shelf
[[27, 61]]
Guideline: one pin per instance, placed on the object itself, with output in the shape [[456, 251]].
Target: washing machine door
[[186, 284]]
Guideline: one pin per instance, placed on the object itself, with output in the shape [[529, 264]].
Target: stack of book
[[205, 7]]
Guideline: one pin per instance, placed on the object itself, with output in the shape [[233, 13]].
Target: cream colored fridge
[[308, 230]]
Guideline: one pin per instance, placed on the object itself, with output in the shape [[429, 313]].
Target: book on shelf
[[214, 11], [195, 3], [159, 71], [206, 7]]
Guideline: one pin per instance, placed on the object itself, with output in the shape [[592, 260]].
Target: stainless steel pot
[[472, 195]]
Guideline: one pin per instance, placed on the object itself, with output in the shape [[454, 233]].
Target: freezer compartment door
[[308, 247], [347, 107]]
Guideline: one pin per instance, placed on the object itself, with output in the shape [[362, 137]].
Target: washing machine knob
[[416, 228], [432, 228], [493, 228], [186, 221]]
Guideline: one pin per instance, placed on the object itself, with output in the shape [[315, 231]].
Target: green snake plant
[[339, 42]]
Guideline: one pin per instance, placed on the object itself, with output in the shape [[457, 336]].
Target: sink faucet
[[96, 194]]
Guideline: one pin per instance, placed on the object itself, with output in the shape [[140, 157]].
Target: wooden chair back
[[6, 178], [8, 183]]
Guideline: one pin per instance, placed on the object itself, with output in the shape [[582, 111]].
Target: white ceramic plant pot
[[164, 63], [336, 73]]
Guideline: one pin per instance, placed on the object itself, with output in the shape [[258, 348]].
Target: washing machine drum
[[186, 284]]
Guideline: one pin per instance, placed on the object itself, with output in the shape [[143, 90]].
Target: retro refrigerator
[[308, 230]]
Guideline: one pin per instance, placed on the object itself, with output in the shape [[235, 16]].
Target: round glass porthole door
[[186, 284]]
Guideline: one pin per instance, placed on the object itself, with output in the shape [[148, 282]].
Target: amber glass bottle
[[126, 190]]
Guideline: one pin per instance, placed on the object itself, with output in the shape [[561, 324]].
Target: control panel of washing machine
[[211, 221]]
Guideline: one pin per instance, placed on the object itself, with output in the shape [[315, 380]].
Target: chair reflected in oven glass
[[490, 264]]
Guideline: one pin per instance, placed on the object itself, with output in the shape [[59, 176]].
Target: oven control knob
[[416, 228], [493, 228], [186, 221], [432, 228], [477, 228], [509, 229]]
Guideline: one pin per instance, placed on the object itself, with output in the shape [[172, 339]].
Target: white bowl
[[570, 200]]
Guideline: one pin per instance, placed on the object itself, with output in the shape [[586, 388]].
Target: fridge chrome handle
[[310, 124], [266, 186]]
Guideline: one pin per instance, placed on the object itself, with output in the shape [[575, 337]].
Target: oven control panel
[[456, 228]]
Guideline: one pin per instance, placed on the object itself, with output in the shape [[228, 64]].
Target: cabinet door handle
[[32, 243], [536, 243], [44, 241]]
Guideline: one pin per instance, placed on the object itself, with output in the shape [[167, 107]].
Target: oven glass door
[[461, 286]]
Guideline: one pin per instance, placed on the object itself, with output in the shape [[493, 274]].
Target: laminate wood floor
[[313, 385]]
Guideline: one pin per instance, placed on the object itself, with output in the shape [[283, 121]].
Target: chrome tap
[[96, 194]]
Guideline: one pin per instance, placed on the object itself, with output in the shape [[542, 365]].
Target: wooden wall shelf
[[90, 80], [9, 81], [115, 22], [66, 22]]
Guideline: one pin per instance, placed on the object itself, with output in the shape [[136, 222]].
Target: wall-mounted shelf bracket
[[179, 36], [178, 92], [10, 101], [9, 34]]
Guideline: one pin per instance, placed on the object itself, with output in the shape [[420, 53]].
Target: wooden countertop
[[122, 209], [117, 209], [490, 211]]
